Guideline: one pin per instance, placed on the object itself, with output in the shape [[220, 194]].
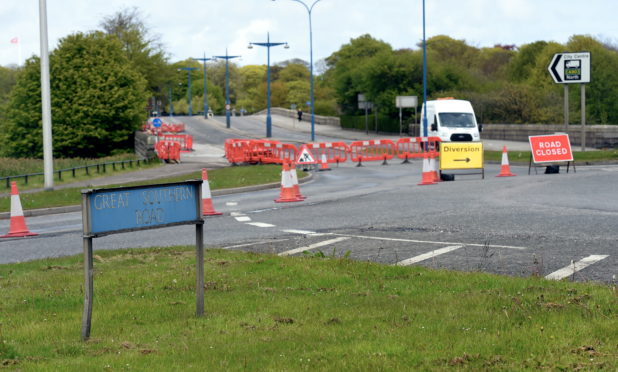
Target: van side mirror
[[480, 128], [434, 127]]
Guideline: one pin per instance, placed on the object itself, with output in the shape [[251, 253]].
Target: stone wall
[[144, 145], [597, 136]]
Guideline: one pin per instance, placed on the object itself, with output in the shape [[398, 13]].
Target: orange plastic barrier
[[168, 151], [329, 152], [235, 150], [185, 140], [273, 152], [417, 147], [373, 150]]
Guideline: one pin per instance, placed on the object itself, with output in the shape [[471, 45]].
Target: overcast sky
[[190, 28]]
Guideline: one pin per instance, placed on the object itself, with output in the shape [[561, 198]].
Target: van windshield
[[457, 120]]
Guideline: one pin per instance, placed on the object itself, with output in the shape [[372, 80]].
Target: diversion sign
[[461, 155]]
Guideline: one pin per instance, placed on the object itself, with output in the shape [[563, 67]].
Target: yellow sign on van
[[461, 155]]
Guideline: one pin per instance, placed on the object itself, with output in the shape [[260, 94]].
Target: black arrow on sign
[[467, 160], [553, 68]]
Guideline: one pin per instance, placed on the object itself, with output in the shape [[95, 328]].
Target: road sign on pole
[[570, 68]]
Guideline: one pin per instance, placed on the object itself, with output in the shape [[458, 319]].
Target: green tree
[[97, 100], [8, 78]]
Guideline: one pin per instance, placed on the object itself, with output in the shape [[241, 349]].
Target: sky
[[191, 28]]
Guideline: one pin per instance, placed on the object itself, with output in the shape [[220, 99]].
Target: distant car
[[155, 113]]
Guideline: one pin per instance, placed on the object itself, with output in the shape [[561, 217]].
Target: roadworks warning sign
[[305, 157], [461, 155]]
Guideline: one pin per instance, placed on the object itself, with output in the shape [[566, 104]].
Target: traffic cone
[[433, 165], [295, 183], [287, 186], [505, 170], [17, 227], [324, 164], [428, 175], [207, 208]]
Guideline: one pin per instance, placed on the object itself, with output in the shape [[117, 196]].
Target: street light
[[268, 44], [424, 77], [189, 69], [205, 87], [227, 86], [171, 103], [309, 9]]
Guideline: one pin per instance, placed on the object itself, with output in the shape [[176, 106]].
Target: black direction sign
[[569, 68]]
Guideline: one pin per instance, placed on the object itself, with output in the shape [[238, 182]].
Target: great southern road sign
[[570, 68]]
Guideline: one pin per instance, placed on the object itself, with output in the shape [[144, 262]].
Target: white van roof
[[451, 105]]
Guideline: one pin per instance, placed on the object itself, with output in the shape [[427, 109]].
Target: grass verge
[[578, 156], [222, 178], [267, 313]]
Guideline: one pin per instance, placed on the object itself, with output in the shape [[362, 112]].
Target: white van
[[452, 120]]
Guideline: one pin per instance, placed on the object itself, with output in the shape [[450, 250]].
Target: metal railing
[[100, 168]]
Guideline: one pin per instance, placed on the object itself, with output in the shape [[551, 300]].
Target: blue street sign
[[142, 207], [157, 122]]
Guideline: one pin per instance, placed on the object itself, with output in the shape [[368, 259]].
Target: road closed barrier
[[373, 150], [168, 151], [329, 152], [185, 140], [417, 147]]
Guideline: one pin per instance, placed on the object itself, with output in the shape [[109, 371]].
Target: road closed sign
[[551, 148], [461, 155]]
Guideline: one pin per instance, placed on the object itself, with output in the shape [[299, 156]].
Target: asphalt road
[[525, 225]]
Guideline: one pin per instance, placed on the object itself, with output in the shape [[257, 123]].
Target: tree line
[[105, 83]]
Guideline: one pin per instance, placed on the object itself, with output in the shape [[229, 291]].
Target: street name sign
[[570, 68], [551, 148]]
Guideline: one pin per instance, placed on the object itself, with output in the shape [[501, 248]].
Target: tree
[[144, 50], [97, 100]]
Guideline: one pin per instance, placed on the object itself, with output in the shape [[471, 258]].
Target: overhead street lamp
[[268, 44], [227, 86], [424, 76], [189, 69], [205, 84], [309, 10]]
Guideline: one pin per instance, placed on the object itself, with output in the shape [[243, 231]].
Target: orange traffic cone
[[505, 170], [295, 183], [324, 164], [207, 208], [17, 227], [433, 166], [428, 175], [287, 186]]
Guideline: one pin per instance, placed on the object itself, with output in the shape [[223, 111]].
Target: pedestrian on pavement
[[300, 114]]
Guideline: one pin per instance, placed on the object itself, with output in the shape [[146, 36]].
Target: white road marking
[[235, 214], [575, 267], [427, 256], [260, 224], [313, 246], [231, 204], [428, 241], [243, 219], [301, 232], [255, 243]]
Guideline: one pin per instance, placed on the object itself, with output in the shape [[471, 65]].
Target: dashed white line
[[575, 267], [427, 256], [231, 204], [429, 241], [243, 219], [260, 224], [313, 246], [301, 232]]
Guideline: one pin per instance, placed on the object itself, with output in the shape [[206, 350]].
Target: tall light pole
[[424, 76], [309, 10], [205, 84], [48, 156], [227, 86], [171, 102], [268, 44], [189, 69]]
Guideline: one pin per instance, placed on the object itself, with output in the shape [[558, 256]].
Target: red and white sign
[[551, 148], [305, 156]]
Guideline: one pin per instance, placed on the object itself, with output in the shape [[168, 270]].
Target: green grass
[[223, 178], [268, 313], [578, 156]]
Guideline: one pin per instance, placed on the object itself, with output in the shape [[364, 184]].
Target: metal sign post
[[570, 68], [127, 209], [405, 102]]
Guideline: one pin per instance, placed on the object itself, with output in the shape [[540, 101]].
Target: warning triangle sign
[[305, 157]]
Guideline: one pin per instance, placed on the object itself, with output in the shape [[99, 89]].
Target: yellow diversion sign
[[461, 155]]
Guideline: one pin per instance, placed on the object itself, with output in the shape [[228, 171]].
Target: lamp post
[[309, 10], [171, 101], [189, 69], [424, 76], [227, 86], [268, 44], [205, 87]]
